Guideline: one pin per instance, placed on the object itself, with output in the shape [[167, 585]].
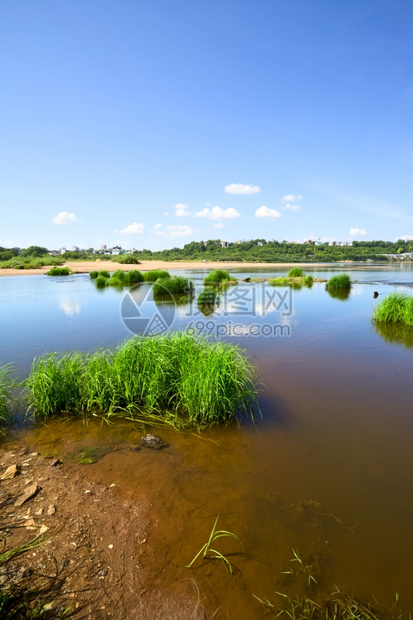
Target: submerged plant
[[395, 308], [208, 300], [155, 274], [339, 282], [209, 553]]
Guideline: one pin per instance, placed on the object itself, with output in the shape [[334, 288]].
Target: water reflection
[[395, 333], [70, 306], [341, 293]]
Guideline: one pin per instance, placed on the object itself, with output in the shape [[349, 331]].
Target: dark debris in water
[[152, 441]]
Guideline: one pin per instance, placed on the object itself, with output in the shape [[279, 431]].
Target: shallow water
[[328, 470]]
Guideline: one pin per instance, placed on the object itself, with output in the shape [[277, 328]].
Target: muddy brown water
[[327, 470]]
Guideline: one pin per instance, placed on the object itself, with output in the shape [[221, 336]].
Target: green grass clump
[[217, 276], [308, 280], [341, 281], [59, 271], [155, 274], [395, 308], [103, 273], [279, 282], [118, 278], [101, 281], [133, 277], [126, 259], [296, 272], [93, 275], [176, 285], [180, 379], [30, 262], [6, 385]]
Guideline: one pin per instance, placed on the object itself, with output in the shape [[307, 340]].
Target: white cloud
[[239, 188], [157, 226], [219, 225], [266, 213], [166, 213], [65, 218], [357, 232], [132, 229], [181, 210], [405, 238], [181, 231], [216, 213], [291, 197], [292, 207]]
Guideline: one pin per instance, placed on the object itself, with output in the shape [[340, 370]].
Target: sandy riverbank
[[88, 266]]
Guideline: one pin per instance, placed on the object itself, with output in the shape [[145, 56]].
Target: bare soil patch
[[93, 545]]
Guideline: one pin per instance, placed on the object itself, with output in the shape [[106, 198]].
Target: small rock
[[102, 573], [110, 546], [11, 472], [55, 462], [152, 441], [30, 523], [51, 510], [43, 529], [30, 492], [39, 512], [34, 454]]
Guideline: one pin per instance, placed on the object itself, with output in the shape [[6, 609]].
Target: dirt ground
[[92, 545], [148, 265]]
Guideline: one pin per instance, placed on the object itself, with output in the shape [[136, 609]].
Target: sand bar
[[149, 265]]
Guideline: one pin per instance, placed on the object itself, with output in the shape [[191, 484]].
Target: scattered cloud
[[291, 197], [357, 232], [166, 213], [405, 238], [239, 188], [181, 210], [132, 229], [291, 207], [219, 225], [268, 214], [157, 226], [65, 218], [181, 231], [216, 213]]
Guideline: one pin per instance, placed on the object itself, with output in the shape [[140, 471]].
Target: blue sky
[[152, 124]]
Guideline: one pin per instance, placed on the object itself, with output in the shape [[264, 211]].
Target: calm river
[[327, 471]]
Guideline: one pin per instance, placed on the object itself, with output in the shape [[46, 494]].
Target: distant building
[[62, 250], [75, 248], [224, 244]]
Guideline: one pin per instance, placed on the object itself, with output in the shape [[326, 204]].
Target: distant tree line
[[254, 250]]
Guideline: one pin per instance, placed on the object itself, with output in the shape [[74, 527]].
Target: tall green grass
[[395, 308], [296, 272], [96, 274], [184, 380], [176, 285], [6, 386], [59, 271], [155, 274], [217, 276], [126, 259], [341, 281]]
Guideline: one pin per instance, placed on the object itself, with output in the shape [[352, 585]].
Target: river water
[[327, 470]]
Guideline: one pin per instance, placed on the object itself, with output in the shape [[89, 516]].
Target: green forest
[[255, 250]]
